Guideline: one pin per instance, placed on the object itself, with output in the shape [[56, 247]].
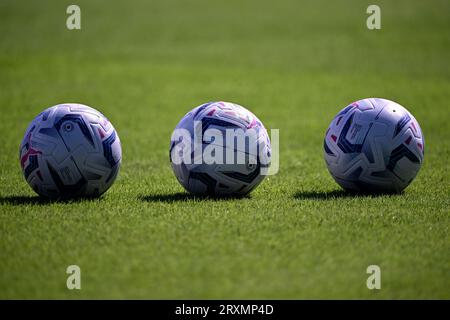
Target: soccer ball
[[374, 145], [220, 149], [70, 150]]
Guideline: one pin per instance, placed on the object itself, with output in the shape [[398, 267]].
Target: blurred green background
[[295, 64]]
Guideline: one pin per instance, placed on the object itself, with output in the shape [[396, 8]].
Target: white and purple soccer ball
[[70, 150], [374, 145], [207, 160]]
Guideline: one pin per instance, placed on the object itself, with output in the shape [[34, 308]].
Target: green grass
[[294, 64]]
